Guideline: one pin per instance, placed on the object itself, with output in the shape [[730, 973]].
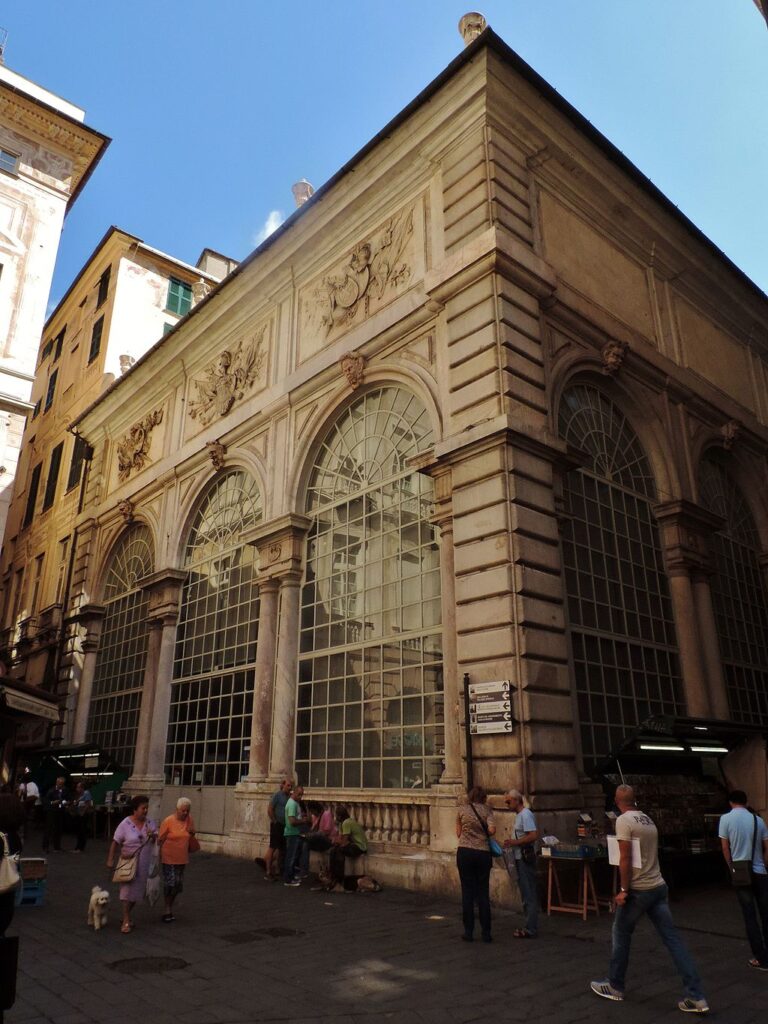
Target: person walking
[[82, 811], [293, 832], [176, 833], [474, 826], [133, 838], [744, 841], [644, 891], [56, 801], [276, 815], [524, 851]]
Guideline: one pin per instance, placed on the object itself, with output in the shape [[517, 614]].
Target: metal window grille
[[118, 680], [370, 707], [212, 692], [738, 594], [622, 629]]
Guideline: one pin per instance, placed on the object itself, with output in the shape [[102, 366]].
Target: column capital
[[88, 613], [280, 544], [164, 591], [440, 471], [685, 530]]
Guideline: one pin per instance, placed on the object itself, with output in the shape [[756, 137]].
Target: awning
[[29, 705]]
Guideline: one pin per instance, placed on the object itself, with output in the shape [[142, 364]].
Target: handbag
[[494, 848], [126, 867], [741, 870], [194, 843], [9, 867]]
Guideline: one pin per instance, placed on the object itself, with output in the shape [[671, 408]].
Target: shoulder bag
[[126, 867], [493, 847], [9, 867], [194, 842], [741, 870]]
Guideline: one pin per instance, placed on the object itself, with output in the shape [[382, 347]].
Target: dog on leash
[[97, 907]]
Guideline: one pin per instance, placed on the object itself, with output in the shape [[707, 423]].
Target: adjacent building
[[47, 154], [487, 406], [126, 297]]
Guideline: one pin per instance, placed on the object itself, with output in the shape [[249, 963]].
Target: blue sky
[[215, 109]]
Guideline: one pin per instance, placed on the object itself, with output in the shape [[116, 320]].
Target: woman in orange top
[[174, 838]]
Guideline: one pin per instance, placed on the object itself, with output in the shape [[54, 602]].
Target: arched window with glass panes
[[621, 625], [370, 706], [113, 714], [213, 674], [739, 593]]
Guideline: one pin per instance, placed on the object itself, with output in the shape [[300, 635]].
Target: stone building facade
[[47, 154], [121, 303], [486, 404]]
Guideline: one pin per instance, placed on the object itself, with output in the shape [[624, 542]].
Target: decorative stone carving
[[353, 367], [613, 355], [228, 378], [200, 289], [216, 452], [133, 448], [471, 25], [730, 433], [302, 191], [126, 362], [374, 268], [126, 508], [274, 552]]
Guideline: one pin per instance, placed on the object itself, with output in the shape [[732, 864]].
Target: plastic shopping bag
[[154, 881]]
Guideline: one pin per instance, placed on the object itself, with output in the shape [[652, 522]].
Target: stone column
[[263, 690], [91, 618], [286, 680], [442, 518], [164, 590], [684, 530]]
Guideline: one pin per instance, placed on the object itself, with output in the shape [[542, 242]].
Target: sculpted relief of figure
[[374, 266], [133, 447], [228, 378]]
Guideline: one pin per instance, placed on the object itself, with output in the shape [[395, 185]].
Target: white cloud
[[272, 223]]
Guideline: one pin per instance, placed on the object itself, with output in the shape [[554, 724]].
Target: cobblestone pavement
[[390, 957]]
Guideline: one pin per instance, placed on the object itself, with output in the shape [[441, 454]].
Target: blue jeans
[[293, 846], [654, 903], [529, 892]]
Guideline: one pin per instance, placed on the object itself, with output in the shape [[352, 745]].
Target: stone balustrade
[[386, 819]]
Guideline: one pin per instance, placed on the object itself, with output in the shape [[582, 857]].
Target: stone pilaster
[[91, 618], [685, 528]]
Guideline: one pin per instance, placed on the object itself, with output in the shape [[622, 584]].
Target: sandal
[[167, 918], [125, 928], [523, 933], [756, 964]]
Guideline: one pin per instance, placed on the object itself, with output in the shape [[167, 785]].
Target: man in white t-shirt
[[744, 837], [524, 848], [644, 891]]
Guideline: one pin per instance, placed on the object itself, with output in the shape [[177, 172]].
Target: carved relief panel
[[378, 268], [133, 448]]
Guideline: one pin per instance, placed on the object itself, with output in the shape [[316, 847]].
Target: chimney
[[471, 25], [302, 191]]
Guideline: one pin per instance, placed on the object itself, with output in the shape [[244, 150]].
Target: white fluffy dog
[[97, 907]]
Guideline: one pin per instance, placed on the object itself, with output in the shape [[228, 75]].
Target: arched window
[[113, 715], [621, 624], [738, 594], [370, 700], [212, 692]]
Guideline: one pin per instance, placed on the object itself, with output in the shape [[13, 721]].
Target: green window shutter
[[179, 297], [53, 476], [51, 390], [34, 486], [98, 329], [76, 465]]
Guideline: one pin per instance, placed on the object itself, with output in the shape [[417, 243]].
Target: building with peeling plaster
[[490, 405]]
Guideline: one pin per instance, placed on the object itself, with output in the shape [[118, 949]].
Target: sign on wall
[[490, 707]]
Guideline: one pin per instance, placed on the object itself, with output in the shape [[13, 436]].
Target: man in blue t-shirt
[[744, 837], [276, 814], [524, 849]]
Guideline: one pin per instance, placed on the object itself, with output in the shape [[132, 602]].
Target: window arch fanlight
[[212, 690], [622, 630], [370, 692], [113, 715], [738, 593]]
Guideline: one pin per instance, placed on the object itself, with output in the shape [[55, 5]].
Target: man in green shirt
[[351, 842], [293, 828]]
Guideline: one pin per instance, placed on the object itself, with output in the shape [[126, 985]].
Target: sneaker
[[293, 884], [606, 990], [688, 1005]]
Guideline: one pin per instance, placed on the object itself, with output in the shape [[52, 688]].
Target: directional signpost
[[487, 711]]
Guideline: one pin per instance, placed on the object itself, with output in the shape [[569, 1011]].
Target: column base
[[147, 785]]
